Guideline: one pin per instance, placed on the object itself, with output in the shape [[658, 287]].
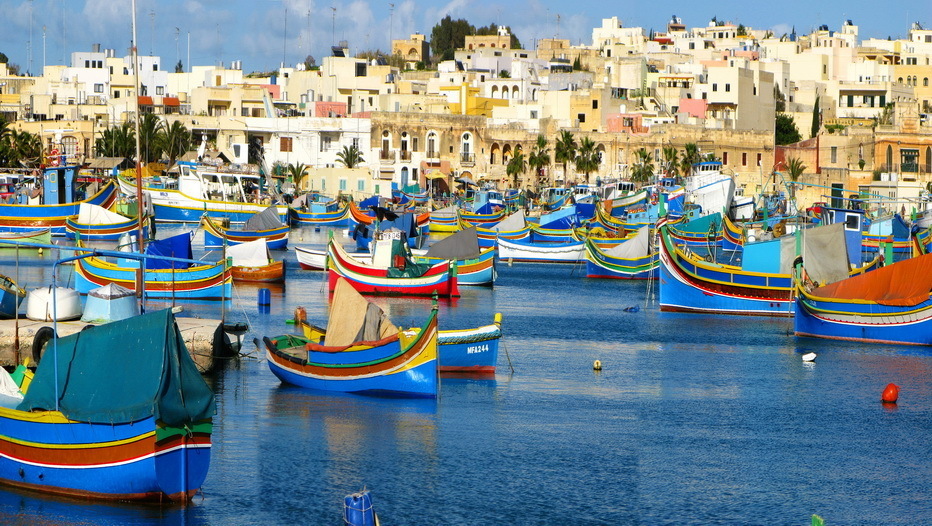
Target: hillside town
[[860, 106]]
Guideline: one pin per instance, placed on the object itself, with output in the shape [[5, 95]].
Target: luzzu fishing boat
[[474, 266], [132, 421], [252, 262], [10, 296], [444, 220], [308, 212], [521, 250], [361, 351], [630, 259], [392, 272], [95, 223], [60, 198], [203, 190], [22, 238], [470, 350], [889, 305], [163, 280], [264, 225]]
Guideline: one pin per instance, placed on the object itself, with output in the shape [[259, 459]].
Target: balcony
[[405, 155], [387, 156], [468, 159], [433, 154]]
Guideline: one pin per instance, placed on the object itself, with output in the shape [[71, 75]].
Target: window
[[356, 142], [834, 154], [581, 117], [744, 158], [724, 157], [116, 94], [98, 88], [727, 87], [595, 104], [87, 63], [361, 185], [324, 143], [285, 144], [714, 87], [323, 184], [160, 90], [760, 159], [342, 184], [155, 67]]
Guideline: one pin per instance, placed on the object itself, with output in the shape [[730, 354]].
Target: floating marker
[[265, 297], [597, 365], [890, 394], [809, 357]]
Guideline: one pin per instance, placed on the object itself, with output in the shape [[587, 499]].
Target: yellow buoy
[[40, 251], [597, 365]]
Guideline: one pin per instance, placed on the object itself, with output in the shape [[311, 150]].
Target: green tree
[[816, 119], [350, 156], [565, 150], [503, 74], [150, 126], [117, 141], [3, 58], [690, 157], [179, 67], [174, 140], [448, 36], [785, 130], [587, 160], [643, 169], [539, 158], [670, 161], [296, 172], [795, 168], [517, 165], [19, 149]]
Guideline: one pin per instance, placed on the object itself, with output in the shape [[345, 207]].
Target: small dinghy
[[40, 306]]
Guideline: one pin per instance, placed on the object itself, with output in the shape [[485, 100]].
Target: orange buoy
[[890, 394]]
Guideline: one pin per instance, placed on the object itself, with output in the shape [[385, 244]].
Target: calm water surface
[[693, 420]]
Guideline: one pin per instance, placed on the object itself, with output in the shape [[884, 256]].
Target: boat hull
[[32, 217], [204, 282], [470, 350], [864, 321], [133, 461], [541, 252], [440, 279], [272, 273]]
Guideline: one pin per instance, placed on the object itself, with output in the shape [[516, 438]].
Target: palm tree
[[690, 157], [565, 150], [296, 172], [670, 161], [587, 161], [795, 167], [174, 140], [150, 126], [539, 158], [119, 141], [644, 167], [517, 165], [19, 149], [350, 156]]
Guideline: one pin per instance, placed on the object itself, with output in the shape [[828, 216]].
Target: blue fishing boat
[[889, 305], [117, 412], [309, 210], [264, 225], [96, 223], [474, 266], [470, 350], [58, 197], [360, 351], [10, 296], [163, 279], [630, 259]]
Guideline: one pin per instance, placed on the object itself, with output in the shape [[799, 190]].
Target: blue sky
[[258, 32]]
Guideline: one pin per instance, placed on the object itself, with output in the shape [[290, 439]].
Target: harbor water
[[693, 419]]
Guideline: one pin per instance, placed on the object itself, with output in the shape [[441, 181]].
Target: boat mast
[[139, 205]]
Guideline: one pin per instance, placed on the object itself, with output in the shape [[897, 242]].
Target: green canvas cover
[[411, 268], [121, 372]]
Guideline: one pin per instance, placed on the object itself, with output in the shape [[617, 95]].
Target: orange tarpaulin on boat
[[902, 284]]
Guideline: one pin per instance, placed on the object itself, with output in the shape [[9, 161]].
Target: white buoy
[[809, 357], [597, 365]]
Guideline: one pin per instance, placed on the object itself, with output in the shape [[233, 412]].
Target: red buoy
[[890, 394]]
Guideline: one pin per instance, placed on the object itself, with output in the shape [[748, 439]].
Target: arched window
[[433, 145], [514, 92], [69, 145], [925, 82], [889, 165], [928, 159], [466, 147], [386, 144]]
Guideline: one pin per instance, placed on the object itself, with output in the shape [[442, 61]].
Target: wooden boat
[[311, 259], [514, 226], [252, 262], [22, 239], [163, 280], [410, 224], [96, 223], [330, 214], [630, 259], [41, 306], [264, 225], [891, 304], [761, 286], [480, 219], [444, 220], [517, 250], [60, 199], [363, 352], [143, 434], [474, 266], [391, 272], [110, 303], [10, 296], [470, 350]]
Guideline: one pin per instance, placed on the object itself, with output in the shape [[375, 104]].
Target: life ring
[[43, 335]]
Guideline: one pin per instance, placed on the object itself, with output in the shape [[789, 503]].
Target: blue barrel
[[265, 297], [357, 509]]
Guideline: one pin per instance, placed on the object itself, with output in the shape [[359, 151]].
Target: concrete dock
[[204, 338]]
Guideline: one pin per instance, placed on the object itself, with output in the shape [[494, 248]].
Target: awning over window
[[435, 174], [145, 100], [171, 101]]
